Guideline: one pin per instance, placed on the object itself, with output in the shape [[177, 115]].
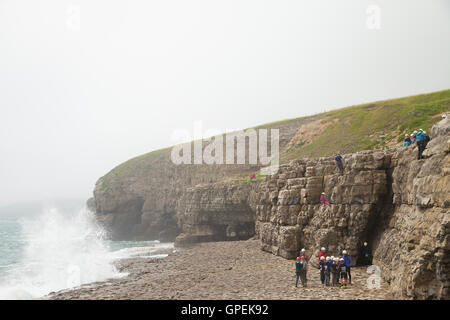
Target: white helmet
[[336, 259], [332, 257], [365, 243], [344, 252], [303, 250], [322, 249], [322, 258], [342, 259], [328, 258]]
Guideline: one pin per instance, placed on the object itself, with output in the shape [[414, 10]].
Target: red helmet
[[298, 258], [303, 257]]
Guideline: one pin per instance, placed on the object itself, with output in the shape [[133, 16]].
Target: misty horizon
[[87, 86]]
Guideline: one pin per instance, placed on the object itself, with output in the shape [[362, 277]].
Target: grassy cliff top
[[375, 125]]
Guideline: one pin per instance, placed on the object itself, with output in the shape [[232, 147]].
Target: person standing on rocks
[[326, 267], [347, 262], [339, 162], [298, 270], [304, 270], [333, 271], [407, 141], [367, 254], [343, 271], [321, 254], [322, 265], [303, 253]]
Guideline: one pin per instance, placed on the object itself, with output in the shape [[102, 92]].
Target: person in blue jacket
[[421, 143], [347, 262]]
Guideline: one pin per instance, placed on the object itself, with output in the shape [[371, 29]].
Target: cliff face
[[412, 244], [139, 199], [215, 212], [290, 216], [398, 204]]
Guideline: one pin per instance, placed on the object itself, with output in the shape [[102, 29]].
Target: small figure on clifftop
[[323, 200], [339, 162], [413, 137], [407, 141]]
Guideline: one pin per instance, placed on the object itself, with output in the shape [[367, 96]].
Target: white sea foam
[[65, 251]]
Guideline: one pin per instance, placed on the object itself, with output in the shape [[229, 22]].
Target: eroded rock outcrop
[[138, 199], [290, 215], [215, 212], [399, 204]]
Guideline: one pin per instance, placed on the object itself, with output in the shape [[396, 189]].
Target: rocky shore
[[221, 270]]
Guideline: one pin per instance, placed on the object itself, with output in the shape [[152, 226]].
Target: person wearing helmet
[[366, 255], [298, 270], [339, 162], [303, 253], [322, 263], [342, 271], [323, 200], [326, 269], [333, 271], [347, 262], [303, 271], [321, 254], [421, 143], [407, 141]]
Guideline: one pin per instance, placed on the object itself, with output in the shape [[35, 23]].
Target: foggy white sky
[[77, 99]]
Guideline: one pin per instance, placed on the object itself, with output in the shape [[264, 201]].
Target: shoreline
[[233, 270]]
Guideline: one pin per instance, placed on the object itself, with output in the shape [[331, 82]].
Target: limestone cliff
[[388, 198], [139, 199]]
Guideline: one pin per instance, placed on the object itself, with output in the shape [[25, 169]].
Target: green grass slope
[[363, 127], [376, 125]]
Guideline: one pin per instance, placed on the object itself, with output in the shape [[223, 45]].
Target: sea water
[[59, 250]]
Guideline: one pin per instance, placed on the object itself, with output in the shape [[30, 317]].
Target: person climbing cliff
[[323, 200], [413, 137], [339, 162], [421, 143], [407, 141]]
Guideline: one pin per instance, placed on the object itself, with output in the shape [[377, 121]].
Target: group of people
[[419, 138], [334, 271]]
